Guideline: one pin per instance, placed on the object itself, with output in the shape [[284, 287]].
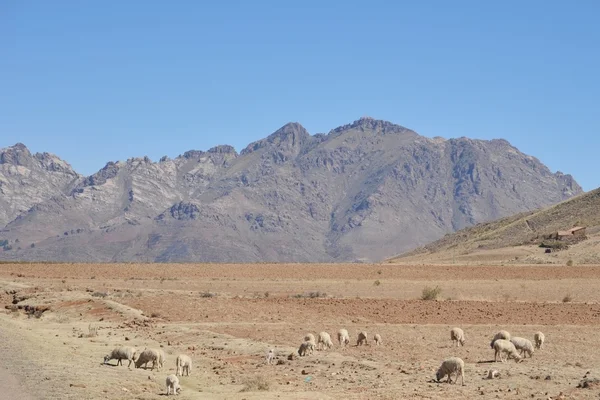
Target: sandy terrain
[[227, 316]]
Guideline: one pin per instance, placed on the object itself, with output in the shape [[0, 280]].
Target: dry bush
[[311, 295], [570, 263], [255, 384], [568, 298], [377, 282], [430, 293], [208, 294]]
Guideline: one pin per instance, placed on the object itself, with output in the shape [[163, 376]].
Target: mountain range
[[362, 192]]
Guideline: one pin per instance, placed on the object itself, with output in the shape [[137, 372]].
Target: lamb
[[343, 337], [362, 337], [149, 355], [173, 384], [121, 353], [505, 346], [270, 356], [524, 345], [305, 348], [539, 338], [310, 338], [377, 339], [458, 335], [449, 366], [500, 335], [324, 341], [184, 365]]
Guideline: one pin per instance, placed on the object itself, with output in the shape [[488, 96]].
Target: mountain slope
[[365, 190], [27, 179], [523, 229]]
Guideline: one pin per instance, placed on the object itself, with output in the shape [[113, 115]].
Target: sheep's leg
[[119, 362], [129, 365], [462, 377]]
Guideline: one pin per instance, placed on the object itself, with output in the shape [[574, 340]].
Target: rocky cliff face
[[366, 190], [28, 179]]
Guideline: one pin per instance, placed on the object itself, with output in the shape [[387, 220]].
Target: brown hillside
[[515, 234]]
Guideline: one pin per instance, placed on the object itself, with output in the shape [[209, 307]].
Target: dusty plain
[[226, 317]]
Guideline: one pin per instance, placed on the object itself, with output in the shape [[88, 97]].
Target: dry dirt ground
[[226, 317]]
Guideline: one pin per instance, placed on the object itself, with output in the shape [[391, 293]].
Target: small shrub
[[256, 384], [317, 294], [99, 294], [377, 283], [155, 315], [430, 293], [568, 298], [208, 294], [570, 263], [267, 294], [380, 272]]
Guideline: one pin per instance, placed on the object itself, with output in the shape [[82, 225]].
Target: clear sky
[[108, 80]]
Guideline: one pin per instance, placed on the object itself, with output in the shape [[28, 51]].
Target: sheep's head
[[106, 359], [439, 375], [462, 341]]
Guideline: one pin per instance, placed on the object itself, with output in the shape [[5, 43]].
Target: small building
[[578, 231]]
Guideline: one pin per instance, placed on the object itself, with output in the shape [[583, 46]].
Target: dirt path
[[13, 385]]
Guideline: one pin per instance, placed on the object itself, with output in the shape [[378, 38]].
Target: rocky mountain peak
[[290, 137], [18, 154], [223, 149], [372, 124]]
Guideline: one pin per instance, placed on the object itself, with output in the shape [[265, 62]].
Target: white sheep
[[305, 348], [161, 359], [450, 366], [458, 335], [121, 353], [270, 356], [505, 335], [146, 356], [362, 338], [524, 345], [309, 337], [184, 365], [539, 338], [377, 339], [324, 341], [343, 337], [505, 346], [173, 386]]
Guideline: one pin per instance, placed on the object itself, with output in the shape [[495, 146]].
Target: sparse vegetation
[[92, 330], [431, 293], [99, 294], [570, 263], [208, 294], [256, 384], [377, 283], [568, 298], [311, 295]]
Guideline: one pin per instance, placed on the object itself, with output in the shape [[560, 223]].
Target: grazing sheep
[[305, 348], [343, 337], [457, 335], [377, 339], [524, 345], [270, 356], [184, 365], [146, 356], [539, 338], [449, 366], [121, 353], [173, 384], [362, 337], [324, 341], [311, 338], [505, 346], [500, 335]]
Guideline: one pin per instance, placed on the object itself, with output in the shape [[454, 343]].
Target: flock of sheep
[[157, 358], [502, 343]]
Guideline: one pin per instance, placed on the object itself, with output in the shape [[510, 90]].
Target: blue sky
[[100, 81]]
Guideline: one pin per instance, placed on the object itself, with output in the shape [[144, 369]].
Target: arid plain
[[227, 316]]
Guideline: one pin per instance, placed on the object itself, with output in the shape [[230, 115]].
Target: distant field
[[227, 316]]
